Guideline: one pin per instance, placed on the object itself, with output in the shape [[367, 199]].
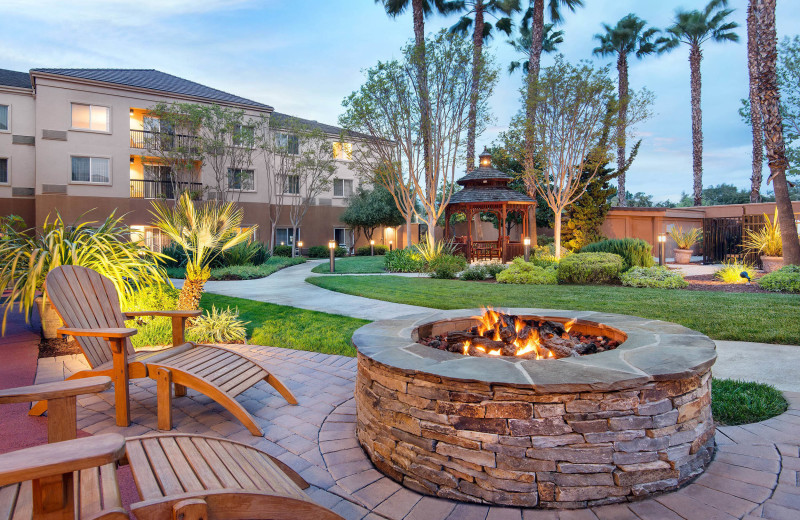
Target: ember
[[500, 334]]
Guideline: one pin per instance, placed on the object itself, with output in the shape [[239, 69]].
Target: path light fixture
[[527, 242], [662, 241], [300, 248], [332, 248], [371, 248], [390, 245]]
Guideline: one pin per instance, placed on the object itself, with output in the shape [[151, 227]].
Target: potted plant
[[685, 240], [766, 242]]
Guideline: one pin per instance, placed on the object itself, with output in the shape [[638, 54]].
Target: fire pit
[[623, 413]]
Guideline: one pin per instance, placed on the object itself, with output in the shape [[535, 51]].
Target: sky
[[303, 57]]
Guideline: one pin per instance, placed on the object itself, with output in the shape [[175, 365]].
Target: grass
[[353, 265], [243, 272], [739, 402], [290, 327], [760, 317]]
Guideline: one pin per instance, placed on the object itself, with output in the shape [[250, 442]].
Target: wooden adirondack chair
[[88, 304]]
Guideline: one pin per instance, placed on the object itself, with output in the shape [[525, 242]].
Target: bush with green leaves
[[404, 261], [635, 252], [282, 250], [731, 272], [522, 272], [380, 249], [785, 279], [243, 272], [493, 269], [590, 268], [474, 273], [218, 326], [658, 277], [447, 266], [153, 330], [176, 255], [245, 253], [324, 252]]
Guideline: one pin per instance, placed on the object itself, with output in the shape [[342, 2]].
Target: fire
[[490, 320]]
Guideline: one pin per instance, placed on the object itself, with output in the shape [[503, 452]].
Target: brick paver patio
[[754, 473]]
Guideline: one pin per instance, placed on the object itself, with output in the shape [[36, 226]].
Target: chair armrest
[[98, 333], [55, 459], [175, 314], [74, 387]]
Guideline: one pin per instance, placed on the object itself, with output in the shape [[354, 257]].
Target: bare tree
[[572, 114]]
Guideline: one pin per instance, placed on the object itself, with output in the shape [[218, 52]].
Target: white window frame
[[343, 196], [90, 105], [89, 182], [287, 136], [288, 230], [249, 190], [348, 233], [8, 171], [8, 131], [286, 187]]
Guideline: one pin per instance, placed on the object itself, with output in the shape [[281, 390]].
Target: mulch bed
[[57, 347], [707, 282]]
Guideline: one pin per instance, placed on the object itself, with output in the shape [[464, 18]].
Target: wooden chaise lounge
[[88, 304]]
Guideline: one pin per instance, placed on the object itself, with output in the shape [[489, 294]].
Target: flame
[[490, 321], [466, 348], [568, 325], [494, 352]]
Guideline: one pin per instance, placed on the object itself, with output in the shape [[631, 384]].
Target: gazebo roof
[[478, 194], [484, 172]]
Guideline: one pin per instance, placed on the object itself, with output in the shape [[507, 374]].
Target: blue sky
[[304, 56]]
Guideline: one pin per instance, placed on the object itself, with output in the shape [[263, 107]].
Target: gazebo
[[486, 191]]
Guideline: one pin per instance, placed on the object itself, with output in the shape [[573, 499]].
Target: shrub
[[685, 239], [657, 277], [218, 326], [176, 254], [282, 251], [380, 249], [153, 330], [404, 261], [785, 279], [767, 240], [522, 272], [243, 272], [493, 269], [731, 272], [261, 254], [590, 268], [544, 240], [447, 266], [323, 252], [476, 272], [432, 252], [245, 253], [635, 252]]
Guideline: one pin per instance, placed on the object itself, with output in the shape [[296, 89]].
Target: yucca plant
[[218, 326], [432, 251], [204, 231], [28, 255], [731, 272], [767, 240], [685, 239]]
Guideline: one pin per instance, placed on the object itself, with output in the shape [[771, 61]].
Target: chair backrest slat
[[84, 298]]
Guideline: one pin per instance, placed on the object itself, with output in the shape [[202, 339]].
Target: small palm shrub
[[282, 251], [590, 268], [218, 326], [404, 261], [380, 249], [324, 252], [474, 273], [767, 240], [685, 239], [657, 277], [785, 279], [522, 272], [635, 252], [431, 252], [731, 272], [447, 266]]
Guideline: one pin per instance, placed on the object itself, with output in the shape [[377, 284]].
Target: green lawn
[[243, 272], [760, 317], [353, 265], [738, 402], [289, 327]]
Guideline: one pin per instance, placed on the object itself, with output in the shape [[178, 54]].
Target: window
[[152, 237], [244, 135], [90, 117], [288, 143], [4, 171], [343, 151], [91, 169], [4, 117], [292, 184], [343, 237], [239, 179], [342, 187], [285, 236], [156, 125]]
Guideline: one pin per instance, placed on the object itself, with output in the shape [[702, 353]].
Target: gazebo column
[[447, 222], [503, 234], [532, 224], [469, 233]]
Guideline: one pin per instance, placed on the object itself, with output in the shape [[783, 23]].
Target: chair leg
[[179, 390], [281, 388], [164, 392]]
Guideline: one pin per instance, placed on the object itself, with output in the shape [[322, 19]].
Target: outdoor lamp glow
[[331, 244], [372, 242], [299, 244], [662, 241], [526, 241], [662, 237]]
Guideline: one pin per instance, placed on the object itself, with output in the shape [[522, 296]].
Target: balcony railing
[[145, 189], [148, 140]]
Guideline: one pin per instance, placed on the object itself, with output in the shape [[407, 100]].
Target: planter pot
[[771, 263], [49, 317], [682, 256]]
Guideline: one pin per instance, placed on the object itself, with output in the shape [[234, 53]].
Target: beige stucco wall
[[22, 157]]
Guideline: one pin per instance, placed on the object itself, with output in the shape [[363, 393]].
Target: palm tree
[[694, 28], [755, 108], [769, 101], [522, 44], [477, 10], [628, 37], [203, 231]]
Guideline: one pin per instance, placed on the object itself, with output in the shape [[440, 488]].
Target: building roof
[[278, 119], [12, 78], [154, 80], [477, 194], [480, 174]]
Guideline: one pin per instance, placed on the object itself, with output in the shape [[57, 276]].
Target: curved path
[[778, 365]]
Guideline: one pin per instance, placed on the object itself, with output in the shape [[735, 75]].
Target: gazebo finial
[[486, 158]]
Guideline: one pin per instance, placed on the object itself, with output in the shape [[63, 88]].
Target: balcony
[[149, 140], [146, 189]]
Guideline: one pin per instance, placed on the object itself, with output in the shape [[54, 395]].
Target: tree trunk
[[622, 71], [769, 100], [477, 49], [557, 235], [408, 231], [431, 235], [534, 61], [294, 241], [755, 106], [425, 102], [695, 56], [191, 292]]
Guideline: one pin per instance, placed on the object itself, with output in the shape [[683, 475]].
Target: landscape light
[[527, 242], [662, 240], [371, 248], [332, 248]]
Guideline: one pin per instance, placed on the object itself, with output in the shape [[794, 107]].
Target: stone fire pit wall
[[569, 433]]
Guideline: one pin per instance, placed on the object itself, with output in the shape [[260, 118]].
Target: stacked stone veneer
[[514, 445]]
